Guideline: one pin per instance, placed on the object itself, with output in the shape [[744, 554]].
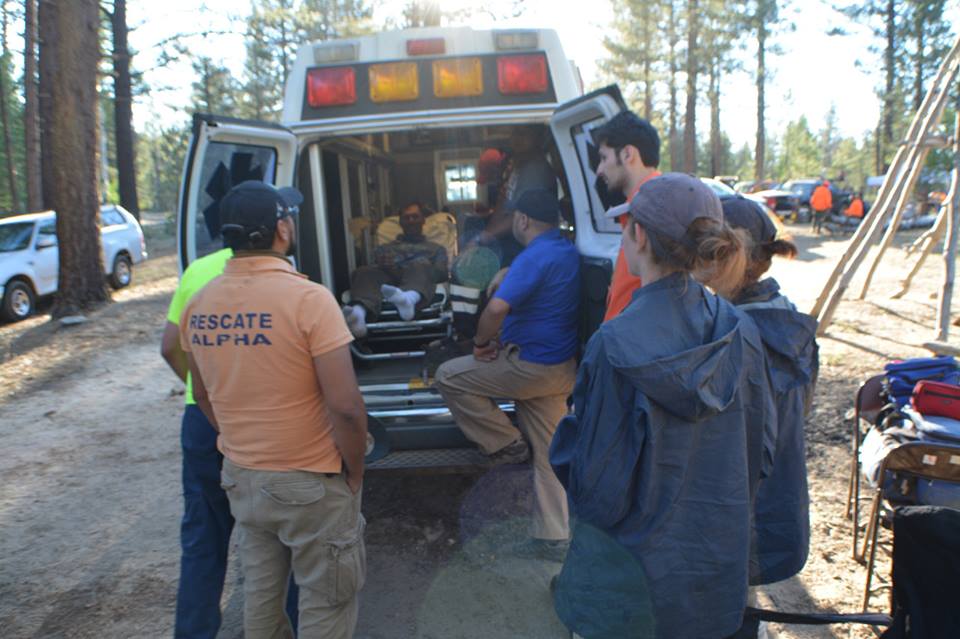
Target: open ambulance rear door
[[224, 152], [598, 238]]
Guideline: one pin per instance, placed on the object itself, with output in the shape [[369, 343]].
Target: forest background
[[673, 58]]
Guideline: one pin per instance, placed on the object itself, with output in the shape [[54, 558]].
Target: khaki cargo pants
[[540, 395], [310, 522]]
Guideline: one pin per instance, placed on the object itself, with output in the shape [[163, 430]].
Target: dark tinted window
[[47, 230], [111, 217], [224, 166], [15, 236]]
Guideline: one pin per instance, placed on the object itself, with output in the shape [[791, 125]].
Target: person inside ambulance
[[405, 274], [525, 168]]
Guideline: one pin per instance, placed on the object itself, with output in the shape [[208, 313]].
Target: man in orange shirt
[[855, 208], [629, 149], [271, 369], [821, 201]]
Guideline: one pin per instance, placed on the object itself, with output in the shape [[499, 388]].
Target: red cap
[[489, 166]]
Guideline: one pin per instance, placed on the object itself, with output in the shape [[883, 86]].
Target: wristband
[[484, 345]]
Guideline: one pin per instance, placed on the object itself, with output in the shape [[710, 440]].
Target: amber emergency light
[[332, 86], [519, 74], [457, 77], [394, 82]]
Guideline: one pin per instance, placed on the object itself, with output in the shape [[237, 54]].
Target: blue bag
[[903, 376]]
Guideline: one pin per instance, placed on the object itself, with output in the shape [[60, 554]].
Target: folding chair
[[867, 406], [913, 461]]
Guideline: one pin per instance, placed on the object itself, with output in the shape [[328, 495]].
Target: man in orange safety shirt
[[629, 149]]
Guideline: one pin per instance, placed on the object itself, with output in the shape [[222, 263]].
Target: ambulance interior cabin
[[361, 183], [368, 179]]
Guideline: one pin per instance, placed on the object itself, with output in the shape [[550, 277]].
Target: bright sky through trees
[[810, 58]]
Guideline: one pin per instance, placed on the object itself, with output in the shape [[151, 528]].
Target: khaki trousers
[[540, 393], [366, 282], [310, 522]]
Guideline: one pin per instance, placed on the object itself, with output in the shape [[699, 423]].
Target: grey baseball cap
[[669, 203]]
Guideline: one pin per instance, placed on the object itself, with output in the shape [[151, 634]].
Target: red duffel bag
[[936, 399]]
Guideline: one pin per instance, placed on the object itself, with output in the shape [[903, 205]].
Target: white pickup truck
[[29, 260]]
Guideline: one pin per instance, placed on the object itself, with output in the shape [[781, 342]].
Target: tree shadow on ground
[[69, 347]]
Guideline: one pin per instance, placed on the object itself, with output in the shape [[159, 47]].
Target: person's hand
[[497, 281], [354, 481], [487, 352]]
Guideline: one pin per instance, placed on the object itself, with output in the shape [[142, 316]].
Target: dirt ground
[[90, 496]]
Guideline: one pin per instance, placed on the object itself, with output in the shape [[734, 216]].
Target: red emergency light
[[426, 46], [332, 86], [518, 74]]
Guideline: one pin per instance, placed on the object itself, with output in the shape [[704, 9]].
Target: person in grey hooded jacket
[[781, 510], [654, 457]]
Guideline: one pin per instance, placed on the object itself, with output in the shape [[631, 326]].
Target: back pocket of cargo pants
[[295, 491]]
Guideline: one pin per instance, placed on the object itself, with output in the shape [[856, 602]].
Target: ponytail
[[714, 252], [761, 257]]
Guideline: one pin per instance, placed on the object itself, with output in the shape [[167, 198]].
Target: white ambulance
[[372, 123]]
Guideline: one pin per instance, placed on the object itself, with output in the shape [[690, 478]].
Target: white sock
[[405, 301], [356, 316]]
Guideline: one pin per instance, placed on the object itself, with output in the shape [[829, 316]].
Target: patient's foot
[[356, 316], [405, 301]]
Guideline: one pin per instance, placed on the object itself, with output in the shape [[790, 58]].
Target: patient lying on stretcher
[[405, 274]]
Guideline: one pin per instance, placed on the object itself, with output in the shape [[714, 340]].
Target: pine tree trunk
[[31, 114], [69, 52], [889, 70], [918, 62], [45, 8], [5, 115], [690, 116], [647, 63], [674, 134], [716, 152], [123, 112], [760, 153]]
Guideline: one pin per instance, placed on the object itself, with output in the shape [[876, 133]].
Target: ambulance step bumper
[[437, 460]]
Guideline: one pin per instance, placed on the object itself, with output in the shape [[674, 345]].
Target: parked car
[[784, 203], [725, 192], [722, 190], [29, 260], [803, 189]]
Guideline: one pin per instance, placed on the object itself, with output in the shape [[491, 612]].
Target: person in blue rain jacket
[[781, 509], [654, 457]]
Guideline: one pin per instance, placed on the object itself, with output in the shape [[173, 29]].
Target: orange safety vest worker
[[821, 200], [855, 209]]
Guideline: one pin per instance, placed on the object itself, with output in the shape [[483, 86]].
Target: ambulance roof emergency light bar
[[453, 77], [333, 52], [513, 39]]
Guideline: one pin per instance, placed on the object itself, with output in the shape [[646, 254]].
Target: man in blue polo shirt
[[532, 362]]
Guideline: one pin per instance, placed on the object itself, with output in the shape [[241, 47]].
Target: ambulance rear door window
[[226, 165]]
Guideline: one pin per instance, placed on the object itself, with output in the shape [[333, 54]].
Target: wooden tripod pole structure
[[928, 241], [950, 246], [898, 211], [936, 228], [899, 181]]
